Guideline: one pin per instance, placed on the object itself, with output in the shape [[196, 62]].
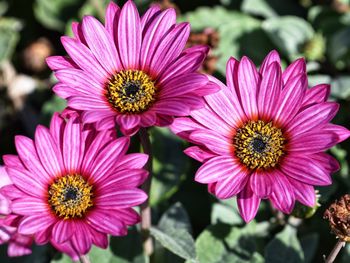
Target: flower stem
[[331, 257], [145, 207], [84, 259]]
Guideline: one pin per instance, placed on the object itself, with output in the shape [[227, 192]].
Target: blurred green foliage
[[201, 229]]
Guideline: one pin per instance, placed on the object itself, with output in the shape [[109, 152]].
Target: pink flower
[[74, 186], [263, 136], [18, 245], [133, 71]]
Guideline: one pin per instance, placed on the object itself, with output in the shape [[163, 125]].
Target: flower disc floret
[[71, 196], [259, 145]]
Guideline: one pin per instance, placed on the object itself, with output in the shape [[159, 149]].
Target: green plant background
[[189, 224]]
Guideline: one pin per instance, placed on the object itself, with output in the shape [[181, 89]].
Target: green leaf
[[341, 87], [9, 28], [169, 167], [178, 241], [175, 217], [284, 248], [3, 7], [54, 14], [338, 48], [55, 104], [224, 213], [309, 244], [258, 7], [289, 34], [223, 243]]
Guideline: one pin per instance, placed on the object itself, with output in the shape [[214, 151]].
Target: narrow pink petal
[[112, 15], [30, 225], [95, 116], [29, 206], [199, 153], [129, 35], [128, 121], [80, 81], [4, 205], [304, 193], [306, 170], [269, 92], [82, 240], [107, 222], [294, 69], [11, 192], [290, 99], [317, 94], [189, 62], [78, 32], [62, 90], [313, 141], [4, 177], [233, 184], [232, 76], [148, 119], [57, 126], [73, 146], [174, 107], [108, 156], [261, 183], [340, 132], [211, 120], [313, 117], [66, 248], [84, 58], [11, 160], [183, 126], [213, 141], [121, 199], [170, 48], [88, 102], [150, 14], [154, 33], [48, 151], [59, 62], [217, 169], [128, 215], [99, 239], [26, 182], [248, 80], [327, 161], [282, 196], [29, 157], [63, 230], [132, 161], [184, 84], [272, 57], [128, 178], [101, 44], [20, 245], [248, 203], [226, 104]]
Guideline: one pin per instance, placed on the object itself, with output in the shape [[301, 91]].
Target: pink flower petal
[[121, 199], [30, 225], [63, 230], [304, 193], [29, 206], [128, 122], [282, 196], [269, 92], [154, 33], [313, 117], [213, 141], [199, 153], [316, 94], [294, 69], [101, 44], [48, 151], [248, 80], [129, 36], [81, 240], [132, 161], [88, 103], [59, 62], [261, 183], [272, 57], [112, 15], [304, 169], [340, 132], [248, 203], [233, 184], [217, 169], [129, 178], [149, 15], [84, 58], [107, 222]]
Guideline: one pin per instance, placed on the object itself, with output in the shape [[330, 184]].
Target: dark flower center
[[131, 91], [259, 145]]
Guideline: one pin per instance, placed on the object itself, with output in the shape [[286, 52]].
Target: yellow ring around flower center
[[70, 196], [259, 145], [131, 91]]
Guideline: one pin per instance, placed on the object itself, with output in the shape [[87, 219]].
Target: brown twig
[[335, 251]]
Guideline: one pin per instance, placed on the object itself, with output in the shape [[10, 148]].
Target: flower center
[[131, 91], [259, 145], [70, 196]]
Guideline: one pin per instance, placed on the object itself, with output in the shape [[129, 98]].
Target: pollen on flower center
[[259, 145], [70, 196], [131, 91]]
